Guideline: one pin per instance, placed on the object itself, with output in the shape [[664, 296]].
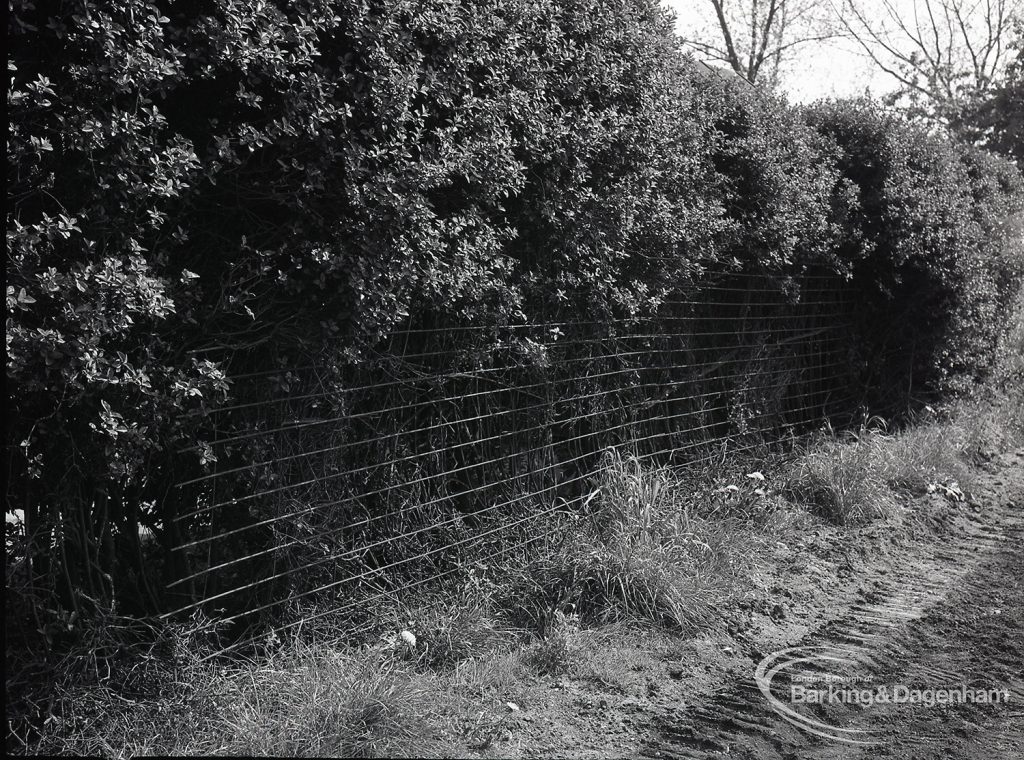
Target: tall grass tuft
[[839, 480], [640, 552]]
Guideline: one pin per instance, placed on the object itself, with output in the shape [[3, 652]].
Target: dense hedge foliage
[[934, 234], [202, 189]]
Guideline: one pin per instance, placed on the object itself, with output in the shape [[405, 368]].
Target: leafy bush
[[776, 178], [935, 265]]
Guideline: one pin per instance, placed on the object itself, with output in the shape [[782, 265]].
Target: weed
[[554, 653], [457, 624]]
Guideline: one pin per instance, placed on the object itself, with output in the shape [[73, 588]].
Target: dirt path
[[947, 614]]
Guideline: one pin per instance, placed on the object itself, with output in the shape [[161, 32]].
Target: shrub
[[293, 180], [778, 181], [201, 193], [934, 263]]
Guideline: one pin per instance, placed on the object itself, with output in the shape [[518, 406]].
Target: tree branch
[[730, 48], [866, 36], [768, 26]]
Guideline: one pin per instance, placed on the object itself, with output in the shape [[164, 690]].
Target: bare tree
[[754, 37], [945, 54]]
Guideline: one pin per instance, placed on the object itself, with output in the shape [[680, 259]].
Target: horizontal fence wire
[[460, 470], [796, 333], [377, 517], [489, 415], [371, 519], [351, 553], [464, 397], [334, 486], [333, 611]]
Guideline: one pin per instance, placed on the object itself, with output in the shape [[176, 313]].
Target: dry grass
[[494, 674], [304, 701], [143, 701]]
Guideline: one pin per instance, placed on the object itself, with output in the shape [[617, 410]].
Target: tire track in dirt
[[975, 636], [952, 615]]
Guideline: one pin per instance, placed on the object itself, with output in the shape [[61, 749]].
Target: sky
[[817, 70]]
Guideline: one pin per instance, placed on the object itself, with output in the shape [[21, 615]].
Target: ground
[[923, 608]]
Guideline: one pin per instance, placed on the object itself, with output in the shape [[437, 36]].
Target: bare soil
[[934, 601]]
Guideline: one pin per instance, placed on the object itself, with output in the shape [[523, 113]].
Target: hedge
[[202, 190]]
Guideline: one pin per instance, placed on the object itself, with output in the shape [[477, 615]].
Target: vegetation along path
[[947, 614]]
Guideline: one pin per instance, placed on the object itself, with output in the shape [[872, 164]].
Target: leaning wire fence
[[335, 485]]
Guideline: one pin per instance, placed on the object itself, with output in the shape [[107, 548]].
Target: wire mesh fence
[[336, 485]]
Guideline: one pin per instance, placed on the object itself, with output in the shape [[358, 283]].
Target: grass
[[840, 482], [143, 701], [856, 478], [556, 654], [456, 623], [993, 425], [320, 702], [309, 701], [640, 551]]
